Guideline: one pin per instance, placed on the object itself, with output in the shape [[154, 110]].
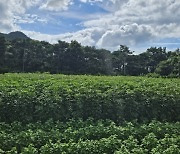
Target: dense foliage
[[26, 55], [38, 97], [53, 114], [81, 137]]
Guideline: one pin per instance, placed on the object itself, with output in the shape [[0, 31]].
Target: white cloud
[[10, 9], [25, 19], [130, 22], [90, 1], [86, 37], [28, 19], [56, 5], [127, 34], [134, 23]]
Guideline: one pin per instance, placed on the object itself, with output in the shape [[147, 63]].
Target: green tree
[[171, 66], [74, 59], [92, 62], [119, 59], [105, 61], [135, 66], [2, 52], [59, 53], [156, 55]]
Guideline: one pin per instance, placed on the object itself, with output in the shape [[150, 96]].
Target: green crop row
[[80, 137], [39, 97]]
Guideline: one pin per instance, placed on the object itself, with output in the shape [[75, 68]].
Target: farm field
[[43, 113], [103, 136]]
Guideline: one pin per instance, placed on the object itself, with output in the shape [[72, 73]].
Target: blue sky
[[101, 23], [59, 22]]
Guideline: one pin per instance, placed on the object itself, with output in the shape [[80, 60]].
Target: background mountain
[[14, 35]]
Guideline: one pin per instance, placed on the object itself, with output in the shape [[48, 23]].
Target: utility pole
[[23, 60]]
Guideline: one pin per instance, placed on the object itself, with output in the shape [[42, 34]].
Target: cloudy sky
[[138, 24]]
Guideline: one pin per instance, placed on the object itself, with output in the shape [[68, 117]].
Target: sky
[[139, 24]]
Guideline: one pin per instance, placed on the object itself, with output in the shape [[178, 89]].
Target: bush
[[39, 97]]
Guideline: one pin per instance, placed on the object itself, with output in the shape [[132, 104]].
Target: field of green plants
[[53, 114]]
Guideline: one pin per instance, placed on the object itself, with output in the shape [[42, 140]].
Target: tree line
[[27, 55]]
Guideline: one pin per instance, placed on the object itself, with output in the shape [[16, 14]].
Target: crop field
[[43, 113]]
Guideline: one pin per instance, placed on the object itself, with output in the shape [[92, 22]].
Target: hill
[[14, 35]]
